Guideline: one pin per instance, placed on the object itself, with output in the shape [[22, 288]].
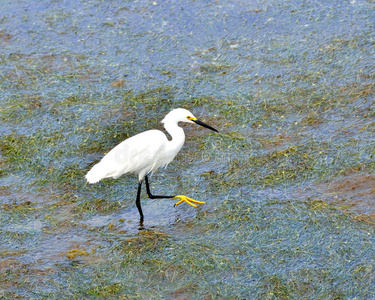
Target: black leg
[[151, 196], [138, 202]]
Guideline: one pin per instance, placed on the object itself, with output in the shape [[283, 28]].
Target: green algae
[[291, 92]]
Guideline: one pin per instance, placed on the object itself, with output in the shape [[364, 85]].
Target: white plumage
[[146, 152], [140, 154]]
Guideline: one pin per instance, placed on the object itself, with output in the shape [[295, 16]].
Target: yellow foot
[[187, 200]]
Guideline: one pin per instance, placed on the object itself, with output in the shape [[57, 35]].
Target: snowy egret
[[144, 153]]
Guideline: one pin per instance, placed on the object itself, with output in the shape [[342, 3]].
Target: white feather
[[144, 152]]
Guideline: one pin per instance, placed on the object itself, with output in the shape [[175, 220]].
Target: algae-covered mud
[[288, 182]]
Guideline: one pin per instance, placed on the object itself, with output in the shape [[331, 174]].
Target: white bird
[[144, 153]]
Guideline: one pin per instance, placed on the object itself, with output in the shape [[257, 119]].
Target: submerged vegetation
[[288, 181]]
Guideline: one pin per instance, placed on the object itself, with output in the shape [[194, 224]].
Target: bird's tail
[[97, 173]]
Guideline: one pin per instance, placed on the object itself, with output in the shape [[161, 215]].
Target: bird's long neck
[[178, 137]]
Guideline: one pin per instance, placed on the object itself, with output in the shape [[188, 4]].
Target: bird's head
[[183, 115]]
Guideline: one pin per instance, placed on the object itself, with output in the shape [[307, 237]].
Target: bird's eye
[[189, 118]]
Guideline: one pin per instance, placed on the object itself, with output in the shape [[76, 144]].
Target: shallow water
[[288, 181]]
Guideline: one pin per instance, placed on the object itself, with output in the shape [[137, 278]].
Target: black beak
[[204, 125]]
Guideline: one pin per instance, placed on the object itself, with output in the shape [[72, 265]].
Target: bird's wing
[[136, 153]]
